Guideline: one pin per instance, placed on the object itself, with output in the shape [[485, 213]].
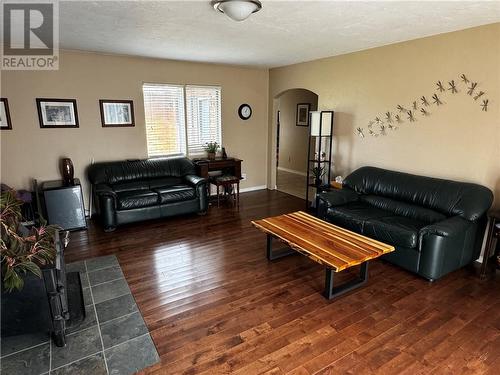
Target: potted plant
[[211, 148], [22, 250], [318, 173]]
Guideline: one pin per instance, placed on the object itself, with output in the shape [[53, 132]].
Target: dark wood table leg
[[273, 255], [218, 197], [238, 193], [332, 291]]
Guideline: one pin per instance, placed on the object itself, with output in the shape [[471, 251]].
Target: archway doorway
[[291, 139]]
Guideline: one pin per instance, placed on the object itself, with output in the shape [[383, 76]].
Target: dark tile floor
[[113, 338]]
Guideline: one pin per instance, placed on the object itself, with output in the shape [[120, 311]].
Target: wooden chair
[[227, 181]]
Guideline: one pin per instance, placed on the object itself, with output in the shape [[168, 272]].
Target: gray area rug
[[113, 338]]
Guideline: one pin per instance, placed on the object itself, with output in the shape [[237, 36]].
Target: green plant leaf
[[20, 255], [33, 268], [12, 280]]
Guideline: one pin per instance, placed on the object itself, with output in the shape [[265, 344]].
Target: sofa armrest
[[194, 180], [107, 205], [200, 184], [103, 189], [452, 226], [333, 198], [446, 246], [338, 197]]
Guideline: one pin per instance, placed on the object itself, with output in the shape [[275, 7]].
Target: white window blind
[[181, 119], [203, 121], [165, 119]]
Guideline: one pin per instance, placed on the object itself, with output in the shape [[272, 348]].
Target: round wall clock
[[245, 111]]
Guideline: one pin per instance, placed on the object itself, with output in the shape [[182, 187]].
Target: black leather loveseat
[[436, 226], [135, 190]]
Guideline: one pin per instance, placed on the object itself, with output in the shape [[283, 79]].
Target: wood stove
[[52, 303]]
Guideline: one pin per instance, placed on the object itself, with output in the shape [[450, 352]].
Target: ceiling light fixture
[[237, 10]]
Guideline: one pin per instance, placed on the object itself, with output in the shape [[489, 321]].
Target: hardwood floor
[[291, 183], [215, 305]]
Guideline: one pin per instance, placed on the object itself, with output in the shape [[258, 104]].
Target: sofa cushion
[[136, 198], [139, 170], [175, 193], [448, 197], [164, 182], [404, 209], [338, 197], [353, 215], [395, 230], [130, 186]]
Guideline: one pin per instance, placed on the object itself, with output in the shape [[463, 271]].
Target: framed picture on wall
[[117, 113], [57, 113], [5, 114], [302, 115]]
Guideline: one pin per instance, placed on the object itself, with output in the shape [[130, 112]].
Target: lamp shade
[[321, 119], [238, 10]]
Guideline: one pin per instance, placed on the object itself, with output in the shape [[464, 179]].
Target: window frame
[[185, 105]]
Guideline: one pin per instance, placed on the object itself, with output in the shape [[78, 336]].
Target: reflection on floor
[[293, 184], [215, 305]]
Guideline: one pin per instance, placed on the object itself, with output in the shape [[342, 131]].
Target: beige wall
[[293, 138], [457, 141], [30, 152]]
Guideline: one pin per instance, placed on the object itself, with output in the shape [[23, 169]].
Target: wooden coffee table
[[327, 244]]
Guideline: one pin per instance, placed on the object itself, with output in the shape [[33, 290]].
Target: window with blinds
[[181, 119], [203, 119]]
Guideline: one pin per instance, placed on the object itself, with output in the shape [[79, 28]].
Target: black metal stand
[[272, 255], [489, 264], [332, 292], [317, 161]]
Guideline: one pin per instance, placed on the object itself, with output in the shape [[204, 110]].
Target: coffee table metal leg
[[332, 292], [328, 293], [271, 255]]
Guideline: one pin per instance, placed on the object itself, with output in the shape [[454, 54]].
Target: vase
[[211, 155], [68, 172]]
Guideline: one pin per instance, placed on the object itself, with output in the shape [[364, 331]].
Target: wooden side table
[[336, 185], [493, 231], [226, 182]]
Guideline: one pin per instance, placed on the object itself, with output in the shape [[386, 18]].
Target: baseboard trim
[[245, 190], [292, 171], [253, 188]]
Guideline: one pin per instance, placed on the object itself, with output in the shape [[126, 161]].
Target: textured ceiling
[[282, 33]]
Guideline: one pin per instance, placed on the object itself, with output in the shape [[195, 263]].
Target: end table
[[493, 231], [64, 204], [336, 185]]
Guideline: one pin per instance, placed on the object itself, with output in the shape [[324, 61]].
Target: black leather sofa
[[436, 225], [135, 190]]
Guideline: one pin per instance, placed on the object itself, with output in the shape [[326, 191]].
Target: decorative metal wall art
[[436, 100], [453, 87], [424, 106], [471, 89]]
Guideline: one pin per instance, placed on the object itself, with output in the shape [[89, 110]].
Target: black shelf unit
[[318, 161], [316, 141]]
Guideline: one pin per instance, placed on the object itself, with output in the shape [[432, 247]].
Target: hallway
[[293, 184]]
